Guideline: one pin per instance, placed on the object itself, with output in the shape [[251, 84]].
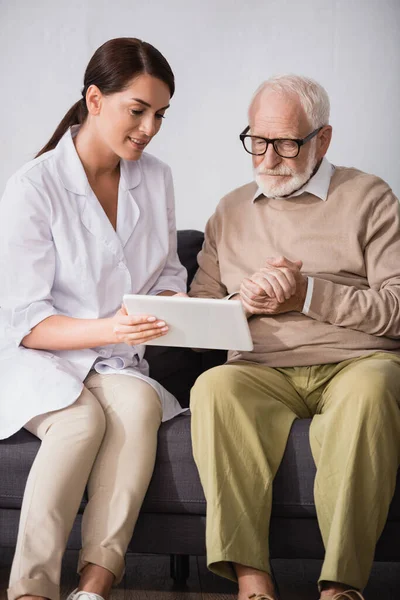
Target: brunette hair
[[111, 68]]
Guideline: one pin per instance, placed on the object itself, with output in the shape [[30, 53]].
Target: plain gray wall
[[220, 51]]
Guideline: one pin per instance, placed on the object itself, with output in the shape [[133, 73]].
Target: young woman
[[91, 218]]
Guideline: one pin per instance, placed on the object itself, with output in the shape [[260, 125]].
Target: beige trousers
[[106, 440], [241, 418]]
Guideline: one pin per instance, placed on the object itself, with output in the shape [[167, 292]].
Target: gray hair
[[313, 97]]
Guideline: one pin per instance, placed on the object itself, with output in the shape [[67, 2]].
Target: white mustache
[[277, 171]]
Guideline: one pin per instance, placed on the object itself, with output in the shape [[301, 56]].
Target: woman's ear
[[93, 100]]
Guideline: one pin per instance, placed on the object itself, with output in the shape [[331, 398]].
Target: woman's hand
[[135, 330]]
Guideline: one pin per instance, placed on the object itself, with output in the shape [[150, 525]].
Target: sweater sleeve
[[207, 281], [375, 310]]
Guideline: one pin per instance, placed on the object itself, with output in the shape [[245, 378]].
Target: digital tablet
[[195, 322]]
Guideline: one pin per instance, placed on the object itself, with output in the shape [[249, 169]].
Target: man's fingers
[[281, 286], [274, 281], [285, 277], [249, 308], [258, 302], [282, 261], [254, 294], [253, 290]]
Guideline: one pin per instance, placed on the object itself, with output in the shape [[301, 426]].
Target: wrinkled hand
[[135, 330], [276, 288]]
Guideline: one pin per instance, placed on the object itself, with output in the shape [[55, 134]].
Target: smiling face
[[126, 121], [275, 115]]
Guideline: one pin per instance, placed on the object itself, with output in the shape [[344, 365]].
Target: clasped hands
[[276, 288]]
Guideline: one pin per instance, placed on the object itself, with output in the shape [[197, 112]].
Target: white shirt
[[318, 185], [59, 254]]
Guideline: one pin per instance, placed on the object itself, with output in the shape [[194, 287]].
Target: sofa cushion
[[175, 486]]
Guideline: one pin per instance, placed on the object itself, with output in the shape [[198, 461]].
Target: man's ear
[[324, 140]]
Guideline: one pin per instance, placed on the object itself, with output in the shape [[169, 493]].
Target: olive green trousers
[[241, 418]]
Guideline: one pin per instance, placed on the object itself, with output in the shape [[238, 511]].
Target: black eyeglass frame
[[299, 142]]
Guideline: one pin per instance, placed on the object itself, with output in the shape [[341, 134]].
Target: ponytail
[[75, 116]]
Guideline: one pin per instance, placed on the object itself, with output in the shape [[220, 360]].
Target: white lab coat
[[59, 254]]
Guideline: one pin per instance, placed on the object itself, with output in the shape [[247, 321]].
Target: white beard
[[294, 183]]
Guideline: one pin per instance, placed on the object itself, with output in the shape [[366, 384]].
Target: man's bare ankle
[[330, 588], [256, 596], [252, 581]]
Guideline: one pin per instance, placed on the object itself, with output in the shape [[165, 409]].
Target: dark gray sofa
[[172, 520]]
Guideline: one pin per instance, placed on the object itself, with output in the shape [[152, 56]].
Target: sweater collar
[[318, 185]]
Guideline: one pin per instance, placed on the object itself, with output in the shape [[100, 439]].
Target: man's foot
[[254, 584], [246, 596], [345, 595]]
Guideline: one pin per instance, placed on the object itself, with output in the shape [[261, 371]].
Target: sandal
[[348, 595]]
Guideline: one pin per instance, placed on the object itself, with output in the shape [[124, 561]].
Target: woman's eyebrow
[[147, 104]]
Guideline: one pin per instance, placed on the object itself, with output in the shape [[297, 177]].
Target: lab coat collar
[[72, 173], [131, 174]]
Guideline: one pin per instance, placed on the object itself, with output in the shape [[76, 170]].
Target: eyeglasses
[[286, 148]]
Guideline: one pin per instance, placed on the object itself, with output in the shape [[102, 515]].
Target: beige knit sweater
[[350, 244]]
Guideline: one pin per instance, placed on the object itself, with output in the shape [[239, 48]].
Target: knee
[[134, 405], [87, 419], [375, 391], [96, 421], [141, 410]]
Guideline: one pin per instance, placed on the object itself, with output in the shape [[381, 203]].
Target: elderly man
[[312, 251]]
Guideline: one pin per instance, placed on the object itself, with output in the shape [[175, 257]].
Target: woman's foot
[[81, 595], [95, 584]]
